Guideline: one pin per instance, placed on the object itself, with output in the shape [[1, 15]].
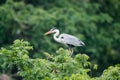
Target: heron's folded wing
[[69, 39]]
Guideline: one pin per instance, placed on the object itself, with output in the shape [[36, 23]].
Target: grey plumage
[[70, 40]]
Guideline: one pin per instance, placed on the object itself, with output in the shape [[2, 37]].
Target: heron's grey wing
[[71, 40]]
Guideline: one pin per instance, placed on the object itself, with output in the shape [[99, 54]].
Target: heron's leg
[[71, 51]]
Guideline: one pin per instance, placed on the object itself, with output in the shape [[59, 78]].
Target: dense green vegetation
[[96, 23], [55, 67]]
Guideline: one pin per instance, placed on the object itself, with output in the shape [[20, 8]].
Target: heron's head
[[53, 30]]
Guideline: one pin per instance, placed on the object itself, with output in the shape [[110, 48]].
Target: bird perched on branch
[[69, 40]]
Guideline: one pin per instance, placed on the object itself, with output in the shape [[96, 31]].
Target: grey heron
[[69, 40]]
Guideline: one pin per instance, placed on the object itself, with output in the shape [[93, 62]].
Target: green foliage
[[94, 22], [16, 55], [55, 67], [59, 66], [112, 73]]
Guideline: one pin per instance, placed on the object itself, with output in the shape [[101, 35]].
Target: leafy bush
[[55, 67], [112, 73]]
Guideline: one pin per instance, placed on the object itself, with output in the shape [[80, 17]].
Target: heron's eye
[[62, 37]]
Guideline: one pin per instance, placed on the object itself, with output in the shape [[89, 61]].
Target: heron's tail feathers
[[82, 43]]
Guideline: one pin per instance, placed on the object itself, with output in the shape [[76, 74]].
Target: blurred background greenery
[[95, 22]]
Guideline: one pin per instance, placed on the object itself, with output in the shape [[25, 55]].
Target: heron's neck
[[56, 36]]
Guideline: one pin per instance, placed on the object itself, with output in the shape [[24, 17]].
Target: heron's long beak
[[49, 32]]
